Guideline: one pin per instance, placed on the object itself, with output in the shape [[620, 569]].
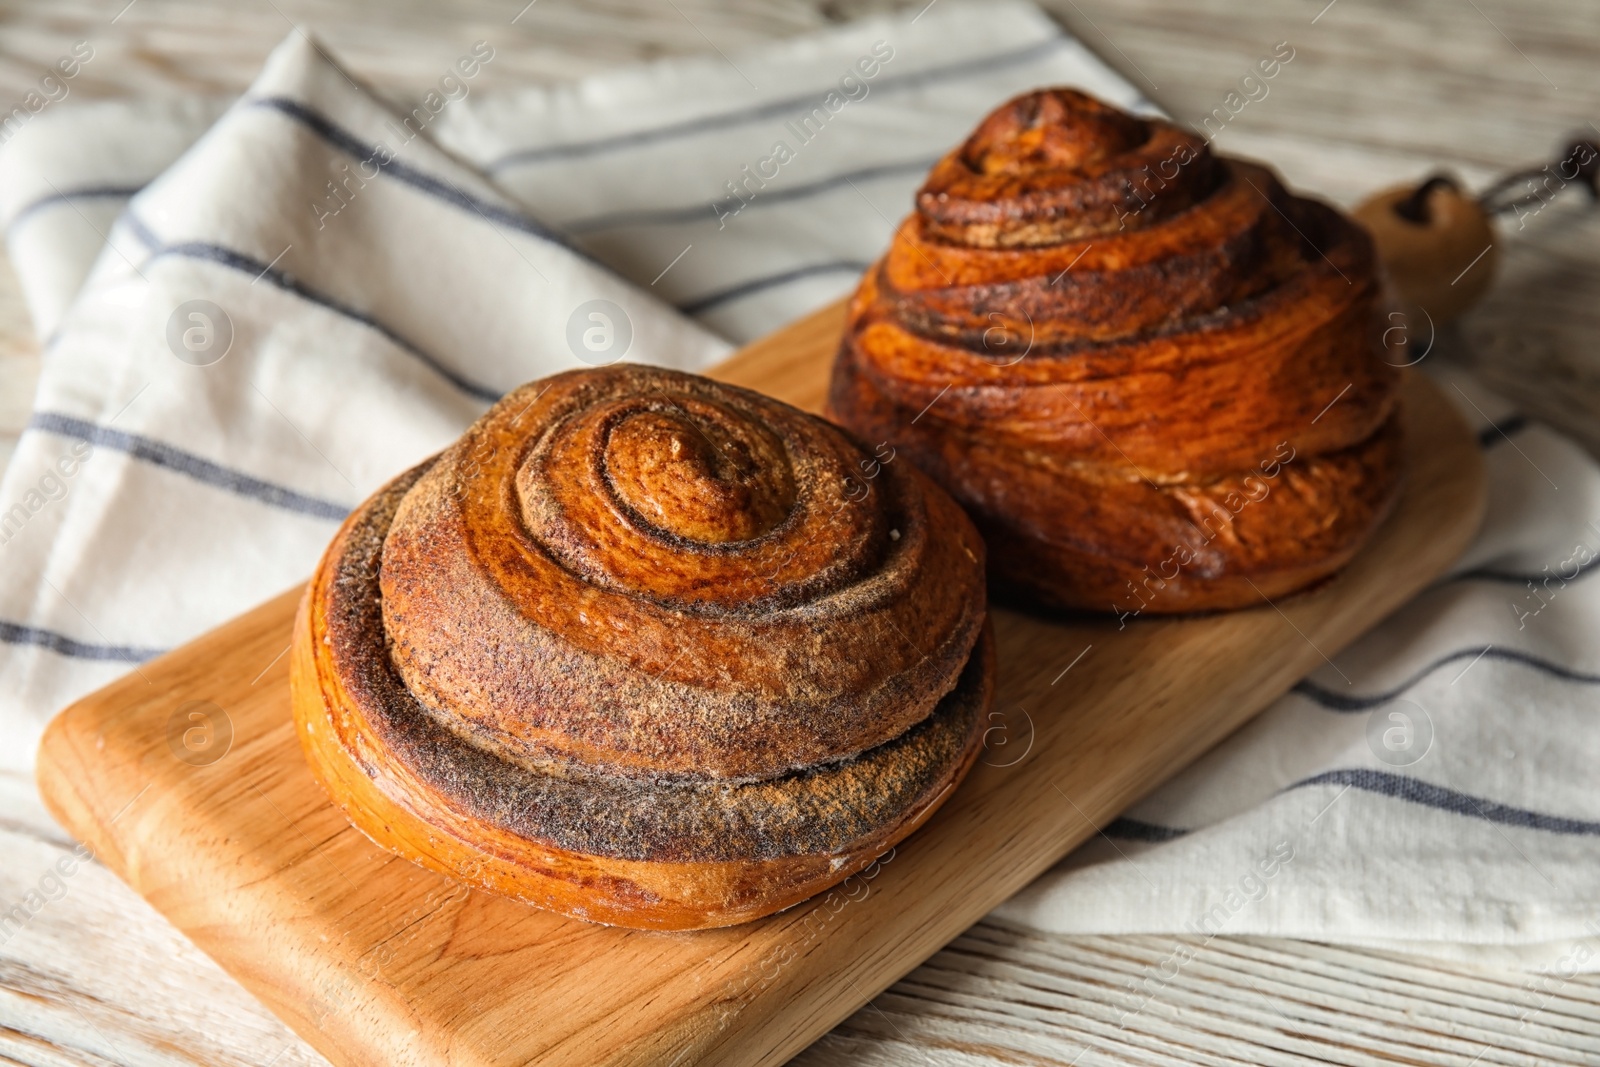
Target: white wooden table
[[1382, 92]]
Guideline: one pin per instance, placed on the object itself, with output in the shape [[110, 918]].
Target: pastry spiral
[[1149, 373], [648, 650]]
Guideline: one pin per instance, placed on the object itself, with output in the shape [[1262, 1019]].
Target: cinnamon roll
[[1151, 374], [648, 650]]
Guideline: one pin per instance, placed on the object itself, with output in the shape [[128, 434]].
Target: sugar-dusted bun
[[1151, 374], [648, 650]]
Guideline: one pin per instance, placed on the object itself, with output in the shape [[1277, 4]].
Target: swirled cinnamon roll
[[1150, 373], [648, 650]]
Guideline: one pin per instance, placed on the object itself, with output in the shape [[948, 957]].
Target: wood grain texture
[[1001, 996], [376, 961], [1379, 93]]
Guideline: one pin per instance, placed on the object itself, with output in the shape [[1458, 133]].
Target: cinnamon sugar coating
[[817, 811], [545, 595]]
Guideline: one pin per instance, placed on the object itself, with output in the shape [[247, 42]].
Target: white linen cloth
[[381, 288]]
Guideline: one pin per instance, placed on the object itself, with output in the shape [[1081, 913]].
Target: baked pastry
[[648, 650], [1149, 373]]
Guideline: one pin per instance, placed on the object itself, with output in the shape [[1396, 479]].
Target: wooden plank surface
[[1381, 92], [376, 961]]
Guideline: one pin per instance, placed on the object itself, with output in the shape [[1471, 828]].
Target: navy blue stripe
[[186, 463], [720, 208], [351, 145], [1333, 701], [888, 83], [1400, 787], [1489, 574], [756, 285], [1128, 829], [279, 279], [16, 634], [136, 226], [1428, 795], [88, 192], [1493, 434]]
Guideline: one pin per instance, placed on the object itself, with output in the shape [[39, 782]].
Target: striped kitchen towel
[[255, 311]]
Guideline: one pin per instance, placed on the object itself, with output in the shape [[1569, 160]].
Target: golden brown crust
[[472, 685], [1148, 373]]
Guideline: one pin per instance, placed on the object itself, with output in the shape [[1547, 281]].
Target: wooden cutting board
[[379, 962]]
